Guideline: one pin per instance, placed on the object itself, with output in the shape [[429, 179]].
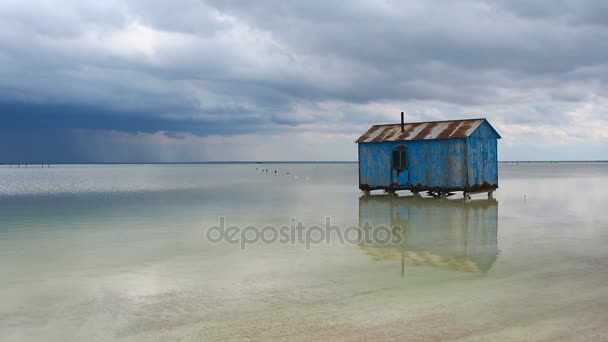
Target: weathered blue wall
[[375, 164], [482, 157], [452, 164], [432, 164], [483, 162]]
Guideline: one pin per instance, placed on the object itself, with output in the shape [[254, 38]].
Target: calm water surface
[[119, 253]]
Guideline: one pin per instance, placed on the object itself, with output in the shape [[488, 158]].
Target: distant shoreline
[[33, 164]]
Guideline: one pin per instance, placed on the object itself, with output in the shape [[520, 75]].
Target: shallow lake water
[[127, 253]]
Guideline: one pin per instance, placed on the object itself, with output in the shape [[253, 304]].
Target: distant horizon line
[[270, 162]]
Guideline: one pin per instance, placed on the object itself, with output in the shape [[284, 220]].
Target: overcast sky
[[197, 80]]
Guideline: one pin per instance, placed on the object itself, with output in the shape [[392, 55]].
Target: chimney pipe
[[402, 123]]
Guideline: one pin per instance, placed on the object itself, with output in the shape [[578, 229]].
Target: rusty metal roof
[[430, 130]]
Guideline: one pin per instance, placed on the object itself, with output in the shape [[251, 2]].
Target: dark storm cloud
[[233, 67], [54, 117]]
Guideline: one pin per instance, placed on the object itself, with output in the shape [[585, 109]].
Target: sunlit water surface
[[119, 253]]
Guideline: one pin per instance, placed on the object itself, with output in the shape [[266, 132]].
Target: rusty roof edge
[[380, 142], [477, 126], [436, 121], [481, 120]]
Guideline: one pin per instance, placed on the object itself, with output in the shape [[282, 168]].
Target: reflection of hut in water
[[448, 234]]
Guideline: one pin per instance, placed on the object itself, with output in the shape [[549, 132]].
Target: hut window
[[400, 158]]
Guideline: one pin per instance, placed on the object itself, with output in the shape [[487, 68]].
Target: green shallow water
[[119, 253]]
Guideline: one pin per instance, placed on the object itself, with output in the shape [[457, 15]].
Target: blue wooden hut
[[439, 157]]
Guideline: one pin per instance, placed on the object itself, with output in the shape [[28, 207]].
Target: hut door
[[400, 172]]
